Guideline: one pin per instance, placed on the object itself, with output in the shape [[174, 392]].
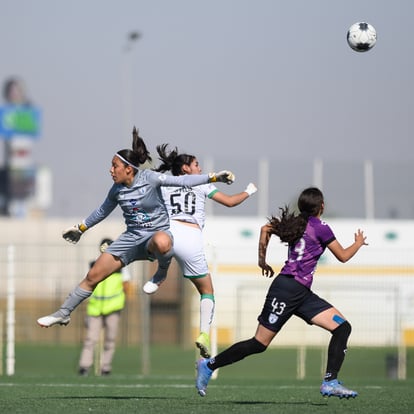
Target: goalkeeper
[[186, 207], [147, 235]]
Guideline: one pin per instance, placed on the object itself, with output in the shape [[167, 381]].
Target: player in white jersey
[[186, 208], [147, 236]]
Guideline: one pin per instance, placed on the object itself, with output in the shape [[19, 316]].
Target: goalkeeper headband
[[126, 162]]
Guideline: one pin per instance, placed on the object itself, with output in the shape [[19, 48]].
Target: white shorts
[[189, 249]]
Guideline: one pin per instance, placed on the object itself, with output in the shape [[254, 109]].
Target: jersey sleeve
[[103, 210], [326, 235], [186, 180], [211, 189]]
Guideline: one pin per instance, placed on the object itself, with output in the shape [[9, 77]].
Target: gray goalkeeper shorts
[[129, 247]]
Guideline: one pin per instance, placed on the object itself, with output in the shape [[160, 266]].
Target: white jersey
[[188, 203]]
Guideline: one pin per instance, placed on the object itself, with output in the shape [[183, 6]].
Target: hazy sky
[[231, 80]]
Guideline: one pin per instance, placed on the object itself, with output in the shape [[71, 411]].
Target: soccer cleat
[[203, 376], [335, 388], [54, 319], [83, 372], [150, 287], [203, 344]]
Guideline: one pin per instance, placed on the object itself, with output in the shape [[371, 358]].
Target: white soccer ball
[[361, 37]]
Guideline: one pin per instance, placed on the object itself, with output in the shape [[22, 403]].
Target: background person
[[103, 315]]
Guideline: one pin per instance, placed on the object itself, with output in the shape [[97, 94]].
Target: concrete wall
[[375, 290]]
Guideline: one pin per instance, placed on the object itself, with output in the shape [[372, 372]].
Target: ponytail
[[139, 153], [172, 160]]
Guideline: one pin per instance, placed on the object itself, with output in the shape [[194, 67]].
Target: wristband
[[82, 227]]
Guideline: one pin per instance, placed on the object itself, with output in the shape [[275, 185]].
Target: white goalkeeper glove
[[250, 189], [73, 234], [222, 177]]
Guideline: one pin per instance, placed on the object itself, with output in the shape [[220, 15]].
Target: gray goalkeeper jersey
[[142, 203]]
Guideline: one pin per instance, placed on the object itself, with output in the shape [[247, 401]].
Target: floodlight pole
[[145, 303], [10, 354], [127, 92], [263, 194], [369, 190]]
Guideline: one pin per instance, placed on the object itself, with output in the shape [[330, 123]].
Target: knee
[[256, 346], [343, 330], [162, 242]]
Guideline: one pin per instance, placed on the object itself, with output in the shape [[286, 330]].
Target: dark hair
[[172, 160], [8, 86], [290, 227], [139, 153], [310, 202]]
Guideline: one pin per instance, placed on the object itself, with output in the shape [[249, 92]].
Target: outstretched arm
[[74, 233], [344, 254], [265, 235], [234, 199], [191, 180]]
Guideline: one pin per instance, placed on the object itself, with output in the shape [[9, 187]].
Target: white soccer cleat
[[151, 287], [53, 319]]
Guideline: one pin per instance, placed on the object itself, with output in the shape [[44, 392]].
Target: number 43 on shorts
[[278, 307]]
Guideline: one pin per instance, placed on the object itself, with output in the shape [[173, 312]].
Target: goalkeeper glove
[[222, 177], [250, 189], [103, 247], [73, 234]]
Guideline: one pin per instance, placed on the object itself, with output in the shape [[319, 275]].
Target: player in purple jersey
[[289, 294], [186, 208], [147, 236]]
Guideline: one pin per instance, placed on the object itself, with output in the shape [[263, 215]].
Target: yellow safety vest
[[107, 297]]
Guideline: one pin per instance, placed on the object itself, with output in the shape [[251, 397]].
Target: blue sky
[[234, 81]]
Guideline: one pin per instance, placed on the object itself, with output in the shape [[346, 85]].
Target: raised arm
[[344, 254], [191, 180], [234, 199], [74, 233]]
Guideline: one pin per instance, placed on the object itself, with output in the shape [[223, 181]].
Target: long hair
[[290, 227], [139, 154], [172, 160]]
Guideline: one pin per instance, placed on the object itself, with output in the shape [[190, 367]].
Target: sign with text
[[19, 120]]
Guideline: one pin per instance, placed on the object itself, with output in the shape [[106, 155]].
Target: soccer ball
[[361, 37]]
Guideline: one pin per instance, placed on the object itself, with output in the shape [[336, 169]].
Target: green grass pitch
[[46, 381]]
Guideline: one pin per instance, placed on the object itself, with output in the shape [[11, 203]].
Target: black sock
[[336, 350], [164, 261], [236, 353]]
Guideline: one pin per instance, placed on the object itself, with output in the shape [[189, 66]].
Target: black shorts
[[287, 297]]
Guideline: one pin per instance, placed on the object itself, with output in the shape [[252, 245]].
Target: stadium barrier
[[375, 290]]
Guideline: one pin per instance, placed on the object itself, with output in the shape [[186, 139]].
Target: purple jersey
[[304, 255]]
